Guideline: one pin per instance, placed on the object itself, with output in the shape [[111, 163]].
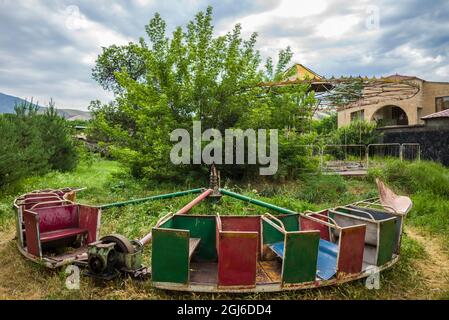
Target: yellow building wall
[[432, 90]]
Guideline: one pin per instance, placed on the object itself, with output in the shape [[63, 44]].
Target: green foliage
[[327, 125], [33, 143], [117, 59], [165, 83], [357, 132], [297, 155], [57, 142], [416, 177]]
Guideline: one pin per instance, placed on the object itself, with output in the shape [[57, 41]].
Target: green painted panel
[[300, 257], [170, 256], [331, 215], [167, 224], [387, 241], [291, 222], [204, 228], [271, 234]]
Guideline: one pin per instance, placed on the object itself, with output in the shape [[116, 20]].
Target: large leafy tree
[[163, 83]]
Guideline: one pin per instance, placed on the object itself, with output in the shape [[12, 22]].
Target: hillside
[[8, 102]]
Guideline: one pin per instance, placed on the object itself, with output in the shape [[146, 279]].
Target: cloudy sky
[[48, 48]]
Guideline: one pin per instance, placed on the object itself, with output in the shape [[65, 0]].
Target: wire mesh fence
[[358, 158], [411, 151], [378, 153], [349, 157]]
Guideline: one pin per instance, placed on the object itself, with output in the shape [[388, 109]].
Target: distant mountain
[[8, 102]]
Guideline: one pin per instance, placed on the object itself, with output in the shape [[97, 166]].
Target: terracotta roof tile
[[441, 114]]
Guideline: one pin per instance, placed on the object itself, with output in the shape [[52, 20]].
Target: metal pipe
[[257, 202], [195, 201], [152, 198], [183, 210]]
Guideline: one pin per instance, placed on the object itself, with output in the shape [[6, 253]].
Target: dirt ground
[[435, 268]]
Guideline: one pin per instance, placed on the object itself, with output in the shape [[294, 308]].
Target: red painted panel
[[89, 218], [42, 194], [56, 218], [61, 234], [237, 259], [32, 233], [352, 246], [307, 224], [30, 202], [242, 223]]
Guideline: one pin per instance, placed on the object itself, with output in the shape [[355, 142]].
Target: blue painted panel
[[327, 259], [278, 248]]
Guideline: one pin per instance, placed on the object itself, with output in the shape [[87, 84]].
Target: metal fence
[[349, 157], [377, 153], [357, 157]]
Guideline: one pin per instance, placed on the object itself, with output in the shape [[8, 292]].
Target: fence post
[[320, 150], [367, 156], [401, 149]]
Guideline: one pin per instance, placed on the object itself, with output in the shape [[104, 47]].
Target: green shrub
[[33, 144], [414, 177], [57, 141]]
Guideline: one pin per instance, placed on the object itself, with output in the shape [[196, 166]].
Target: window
[[357, 115], [442, 103]]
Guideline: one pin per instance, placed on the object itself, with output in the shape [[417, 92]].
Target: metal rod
[[195, 201], [152, 198], [257, 202], [184, 210]]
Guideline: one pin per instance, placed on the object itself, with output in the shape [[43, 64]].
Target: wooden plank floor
[[206, 272]]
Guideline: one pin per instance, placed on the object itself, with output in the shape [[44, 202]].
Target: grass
[[108, 182]]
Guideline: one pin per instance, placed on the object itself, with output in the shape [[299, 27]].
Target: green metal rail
[[257, 202], [153, 198]]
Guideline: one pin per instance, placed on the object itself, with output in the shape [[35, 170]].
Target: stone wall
[[434, 141]]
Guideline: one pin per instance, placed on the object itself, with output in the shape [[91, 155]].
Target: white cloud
[[299, 9], [143, 3], [337, 27], [417, 56], [285, 10]]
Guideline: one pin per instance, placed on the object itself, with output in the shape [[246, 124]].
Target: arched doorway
[[390, 116]]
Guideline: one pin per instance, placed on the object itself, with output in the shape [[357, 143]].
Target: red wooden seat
[[47, 224], [61, 234]]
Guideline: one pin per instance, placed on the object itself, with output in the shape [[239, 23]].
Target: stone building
[[432, 97]]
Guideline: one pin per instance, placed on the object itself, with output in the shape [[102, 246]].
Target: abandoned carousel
[[279, 250]]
